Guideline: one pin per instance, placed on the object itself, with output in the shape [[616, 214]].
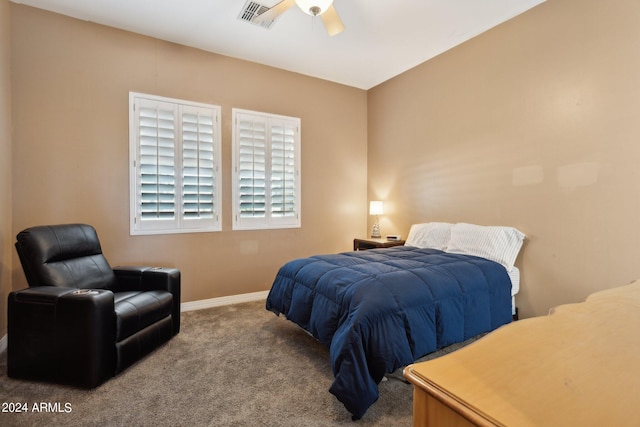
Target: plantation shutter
[[198, 163], [252, 166], [175, 175], [157, 129], [267, 171], [283, 170]]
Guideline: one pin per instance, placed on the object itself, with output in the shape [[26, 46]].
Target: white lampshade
[[375, 207], [314, 7]]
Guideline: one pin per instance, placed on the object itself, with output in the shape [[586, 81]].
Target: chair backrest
[[67, 255]]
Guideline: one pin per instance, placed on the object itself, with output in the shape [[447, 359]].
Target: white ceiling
[[382, 38]]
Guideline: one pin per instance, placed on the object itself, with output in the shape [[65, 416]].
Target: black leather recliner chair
[[81, 322]]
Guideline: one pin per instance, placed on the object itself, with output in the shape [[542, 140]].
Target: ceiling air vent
[[251, 10]]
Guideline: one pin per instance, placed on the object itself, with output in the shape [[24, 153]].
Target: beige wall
[[70, 84], [534, 124], [6, 242]]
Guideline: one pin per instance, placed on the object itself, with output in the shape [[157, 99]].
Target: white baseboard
[[3, 344], [220, 301]]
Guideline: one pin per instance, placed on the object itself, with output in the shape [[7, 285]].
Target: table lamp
[[375, 208]]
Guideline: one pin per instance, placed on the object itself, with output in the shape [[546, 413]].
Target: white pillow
[[434, 235], [499, 244]]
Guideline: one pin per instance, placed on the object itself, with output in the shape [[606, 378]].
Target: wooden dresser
[[578, 366]]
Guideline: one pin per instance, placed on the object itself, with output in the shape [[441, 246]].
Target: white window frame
[[205, 220], [271, 219]]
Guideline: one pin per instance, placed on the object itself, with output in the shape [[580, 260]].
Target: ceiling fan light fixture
[[314, 7]]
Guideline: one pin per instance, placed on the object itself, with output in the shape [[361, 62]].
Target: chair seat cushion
[[137, 310]]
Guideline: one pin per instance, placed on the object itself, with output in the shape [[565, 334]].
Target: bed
[[382, 309]]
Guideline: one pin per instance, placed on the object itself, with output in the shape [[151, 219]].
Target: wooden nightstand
[[371, 243]]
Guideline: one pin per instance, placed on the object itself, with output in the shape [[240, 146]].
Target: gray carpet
[[236, 365]]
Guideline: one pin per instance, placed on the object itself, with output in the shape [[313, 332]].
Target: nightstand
[[371, 243]]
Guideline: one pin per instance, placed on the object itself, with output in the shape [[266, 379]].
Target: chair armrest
[[65, 334], [136, 278]]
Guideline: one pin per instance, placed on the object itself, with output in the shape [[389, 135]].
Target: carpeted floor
[[237, 365]]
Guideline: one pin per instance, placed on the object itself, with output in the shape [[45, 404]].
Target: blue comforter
[[382, 309]]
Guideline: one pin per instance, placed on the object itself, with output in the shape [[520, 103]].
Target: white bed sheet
[[514, 275]]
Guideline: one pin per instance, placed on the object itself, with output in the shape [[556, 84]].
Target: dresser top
[[578, 366]]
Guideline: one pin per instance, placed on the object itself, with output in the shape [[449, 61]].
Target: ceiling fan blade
[[332, 21], [275, 11]]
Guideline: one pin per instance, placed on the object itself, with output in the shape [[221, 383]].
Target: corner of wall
[[5, 165]]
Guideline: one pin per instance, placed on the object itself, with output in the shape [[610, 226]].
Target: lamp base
[[375, 233]]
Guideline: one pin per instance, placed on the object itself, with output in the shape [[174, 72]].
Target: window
[[266, 159], [175, 177]]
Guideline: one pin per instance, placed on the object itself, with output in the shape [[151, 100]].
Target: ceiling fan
[[322, 8]]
